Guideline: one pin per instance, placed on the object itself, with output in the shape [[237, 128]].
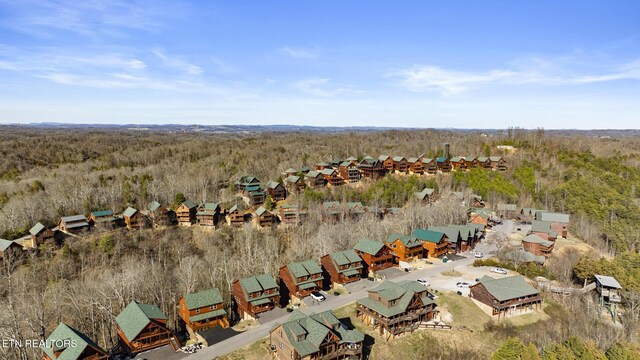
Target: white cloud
[[178, 63], [448, 82], [301, 52], [316, 86]]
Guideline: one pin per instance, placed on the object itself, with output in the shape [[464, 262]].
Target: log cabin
[[537, 245], [315, 336], [103, 219], [289, 172], [435, 243], [559, 222], [444, 165], [209, 214], [253, 195], [479, 220], [375, 255], [349, 171], [352, 159], [453, 237], [263, 218], [458, 163], [430, 165], [374, 212], [543, 229], [484, 162], [74, 224], [395, 308], [202, 310], [608, 288], [505, 296], [333, 211], [186, 213], [160, 215], [387, 162], [343, 267], [245, 181], [40, 234], [498, 163], [415, 166], [476, 201], [507, 211], [235, 217], [400, 164], [426, 195], [292, 214], [300, 279], [470, 234], [332, 177], [9, 247], [405, 247], [355, 210], [133, 218], [276, 190], [143, 327], [294, 183], [67, 343], [522, 257], [255, 295], [472, 162], [314, 180], [372, 168], [322, 165]]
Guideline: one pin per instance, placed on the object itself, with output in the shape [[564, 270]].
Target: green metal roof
[[66, 332], [292, 179], [4, 244], [425, 192], [261, 210], [203, 298], [533, 238], [483, 158], [351, 272], [129, 212], [408, 240], [428, 235], [252, 188], [521, 255], [258, 284], [543, 227], [456, 159], [312, 174], [273, 184], [507, 207], [495, 158], [135, 317], [260, 301], [507, 288], [36, 229], [208, 315], [154, 205], [402, 291], [189, 204], [451, 232], [304, 268], [345, 257], [398, 158], [553, 217], [369, 246], [308, 285], [210, 206], [102, 213]]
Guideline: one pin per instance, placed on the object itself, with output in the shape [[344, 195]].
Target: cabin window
[[212, 307], [197, 311]]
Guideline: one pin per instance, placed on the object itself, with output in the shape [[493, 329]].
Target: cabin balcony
[[150, 342], [517, 302], [349, 349]]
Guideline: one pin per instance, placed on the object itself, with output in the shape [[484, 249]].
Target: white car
[[317, 296], [478, 254], [499, 271], [463, 284], [424, 282]]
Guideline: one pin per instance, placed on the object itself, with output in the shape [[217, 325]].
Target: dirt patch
[[453, 273]]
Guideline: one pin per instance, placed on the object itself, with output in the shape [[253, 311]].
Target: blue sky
[[462, 64]]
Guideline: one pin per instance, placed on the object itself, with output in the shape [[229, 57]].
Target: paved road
[[333, 302]]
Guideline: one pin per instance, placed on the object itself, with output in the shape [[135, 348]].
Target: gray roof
[[608, 281], [4, 244], [536, 239], [292, 178], [36, 229], [553, 217], [507, 207], [398, 158], [507, 288], [273, 184], [524, 256], [154, 205], [425, 192], [129, 212], [74, 218], [260, 211]]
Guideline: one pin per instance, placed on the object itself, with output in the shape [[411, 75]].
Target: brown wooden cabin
[[75, 224], [301, 278], [472, 162], [537, 245], [209, 214], [405, 247], [459, 163], [143, 327], [276, 190], [415, 166], [254, 195], [315, 336], [443, 164], [322, 165], [479, 220], [343, 267], [505, 296], [314, 180], [427, 195], [543, 229], [70, 344], [160, 215], [400, 164], [559, 222], [103, 219], [263, 218], [203, 310], [375, 212], [289, 172], [387, 162], [186, 213], [435, 243], [395, 308], [372, 168], [454, 237], [349, 171], [235, 217], [294, 183], [376, 255], [134, 219], [8, 246], [484, 162], [245, 181], [292, 214], [255, 295], [507, 211], [333, 211], [332, 177], [40, 234], [352, 159], [430, 165], [355, 210], [498, 163]]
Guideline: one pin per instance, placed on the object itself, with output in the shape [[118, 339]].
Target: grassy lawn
[[451, 273], [256, 351]]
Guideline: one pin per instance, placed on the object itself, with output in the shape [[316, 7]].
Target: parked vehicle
[[317, 296], [424, 282], [499, 271], [463, 284], [478, 254]]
